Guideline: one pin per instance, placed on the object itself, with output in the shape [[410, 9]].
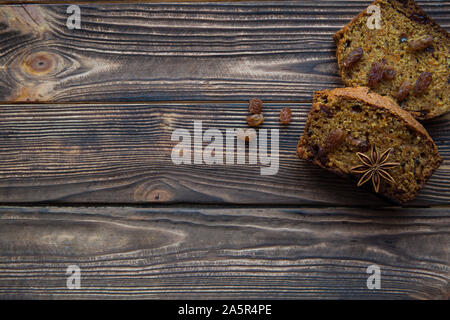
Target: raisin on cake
[[406, 59], [364, 136]]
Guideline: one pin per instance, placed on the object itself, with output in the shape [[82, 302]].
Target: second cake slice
[[368, 137]]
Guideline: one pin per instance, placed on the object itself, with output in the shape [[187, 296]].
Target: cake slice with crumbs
[[407, 58], [364, 136]]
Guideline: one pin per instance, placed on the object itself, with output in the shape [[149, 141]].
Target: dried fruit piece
[[389, 73], [376, 73], [375, 167], [322, 155], [353, 57], [246, 135], [421, 43], [285, 115], [404, 90], [255, 120], [255, 106], [362, 145], [334, 139], [422, 83]]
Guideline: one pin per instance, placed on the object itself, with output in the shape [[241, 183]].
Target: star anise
[[374, 167]]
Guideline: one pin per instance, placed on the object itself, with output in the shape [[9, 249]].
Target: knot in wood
[[40, 63]]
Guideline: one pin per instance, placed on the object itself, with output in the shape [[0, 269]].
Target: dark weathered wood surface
[[208, 51], [224, 253], [213, 231], [122, 154]]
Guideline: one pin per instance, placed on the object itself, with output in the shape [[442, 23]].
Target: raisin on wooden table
[[422, 83], [255, 106], [255, 120], [353, 57]]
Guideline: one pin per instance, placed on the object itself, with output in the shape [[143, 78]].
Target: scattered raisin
[[327, 110], [421, 43], [388, 73], [255, 120], [285, 115], [376, 73], [422, 83], [334, 139], [255, 106], [353, 57], [404, 90]]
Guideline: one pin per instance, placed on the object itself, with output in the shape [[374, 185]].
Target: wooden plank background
[[150, 52], [122, 154], [86, 176]]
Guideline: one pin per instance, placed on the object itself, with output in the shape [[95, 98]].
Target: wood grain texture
[[238, 253], [105, 153], [148, 52], [96, 153]]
